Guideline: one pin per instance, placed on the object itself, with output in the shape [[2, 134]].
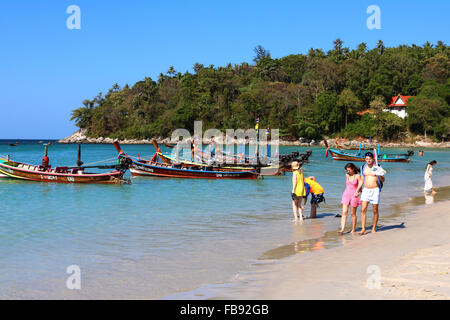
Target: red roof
[[399, 104]]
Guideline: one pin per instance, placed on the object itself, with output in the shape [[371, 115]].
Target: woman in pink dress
[[351, 195]]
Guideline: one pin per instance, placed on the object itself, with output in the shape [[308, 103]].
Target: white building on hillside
[[398, 106]]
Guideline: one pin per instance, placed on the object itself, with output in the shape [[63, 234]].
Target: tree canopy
[[303, 95]]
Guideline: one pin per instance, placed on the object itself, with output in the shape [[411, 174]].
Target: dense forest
[[311, 96]]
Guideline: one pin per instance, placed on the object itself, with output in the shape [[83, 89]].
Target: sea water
[[157, 237]]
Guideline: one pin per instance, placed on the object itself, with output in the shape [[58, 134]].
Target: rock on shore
[[80, 137]]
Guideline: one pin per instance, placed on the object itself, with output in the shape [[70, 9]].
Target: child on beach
[[316, 190], [351, 196], [428, 188], [298, 190]]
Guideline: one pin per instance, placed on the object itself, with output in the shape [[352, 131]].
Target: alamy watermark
[[374, 20], [74, 20], [73, 282], [234, 146], [374, 280]]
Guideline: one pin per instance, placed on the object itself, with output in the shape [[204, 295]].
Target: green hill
[[308, 96]]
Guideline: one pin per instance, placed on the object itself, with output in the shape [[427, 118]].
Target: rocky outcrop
[[80, 137], [419, 143]]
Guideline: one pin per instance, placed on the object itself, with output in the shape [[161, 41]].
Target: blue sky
[[46, 70]]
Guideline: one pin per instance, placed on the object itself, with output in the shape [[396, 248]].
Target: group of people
[[363, 187], [301, 189]]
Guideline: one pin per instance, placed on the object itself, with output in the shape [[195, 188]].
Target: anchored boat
[[355, 147], [1, 174], [160, 167], [227, 161], [45, 173], [359, 156]]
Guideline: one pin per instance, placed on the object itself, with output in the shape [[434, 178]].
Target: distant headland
[[383, 93]]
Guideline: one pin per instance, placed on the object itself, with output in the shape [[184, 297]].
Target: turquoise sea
[[157, 237]]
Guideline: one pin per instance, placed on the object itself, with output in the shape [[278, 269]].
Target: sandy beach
[[410, 262]]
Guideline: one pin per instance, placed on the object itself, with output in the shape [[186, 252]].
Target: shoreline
[[233, 249], [80, 137], [413, 262], [416, 266]]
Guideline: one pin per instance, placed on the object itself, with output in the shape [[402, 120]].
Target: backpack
[[380, 183], [307, 188]]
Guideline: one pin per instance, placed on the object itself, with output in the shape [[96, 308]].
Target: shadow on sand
[[329, 240], [321, 216]]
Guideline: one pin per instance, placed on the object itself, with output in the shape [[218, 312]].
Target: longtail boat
[[269, 170], [3, 160], [161, 167], [230, 162], [359, 156], [45, 173], [353, 147], [225, 160]]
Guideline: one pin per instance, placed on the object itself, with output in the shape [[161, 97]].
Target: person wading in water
[[298, 191]]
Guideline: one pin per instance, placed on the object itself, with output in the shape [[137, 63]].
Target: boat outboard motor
[[285, 158], [45, 161], [124, 164]]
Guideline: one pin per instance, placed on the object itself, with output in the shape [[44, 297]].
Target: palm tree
[[380, 47], [171, 71], [350, 102], [260, 53], [197, 67], [338, 46]]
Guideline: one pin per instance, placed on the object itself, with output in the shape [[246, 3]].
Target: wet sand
[[412, 262], [408, 258]]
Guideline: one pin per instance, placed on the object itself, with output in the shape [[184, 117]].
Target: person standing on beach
[[373, 177], [351, 196], [298, 191], [428, 188]]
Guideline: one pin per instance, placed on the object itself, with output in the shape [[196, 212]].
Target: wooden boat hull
[[232, 162], [349, 157], [1, 174], [188, 164], [158, 169], [28, 172], [271, 171], [265, 170]]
